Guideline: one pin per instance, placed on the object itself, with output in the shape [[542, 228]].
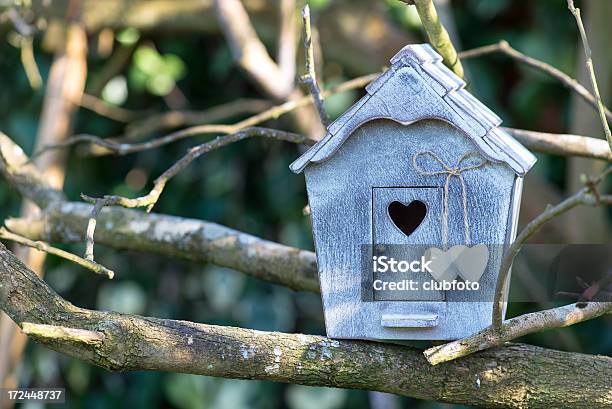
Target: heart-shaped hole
[[407, 218]]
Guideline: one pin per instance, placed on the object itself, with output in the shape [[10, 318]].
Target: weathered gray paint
[[365, 162], [385, 232]]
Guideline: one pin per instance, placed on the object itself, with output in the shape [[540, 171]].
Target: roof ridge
[[468, 113]]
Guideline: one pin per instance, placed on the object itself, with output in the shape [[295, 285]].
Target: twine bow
[[457, 171]]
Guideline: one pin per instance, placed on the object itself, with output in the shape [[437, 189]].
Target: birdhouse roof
[[418, 86]]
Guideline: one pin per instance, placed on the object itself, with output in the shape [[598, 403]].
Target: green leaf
[[174, 66], [148, 60], [160, 84], [128, 36]]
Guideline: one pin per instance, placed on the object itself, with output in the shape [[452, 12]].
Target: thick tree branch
[[249, 51], [498, 378], [17, 169], [189, 239], [563, 144]]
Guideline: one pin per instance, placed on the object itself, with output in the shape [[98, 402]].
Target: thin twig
[[437, 34], [91, 227], [586, 196], [120, 148], [504, 48], [176, 119], [42, 246], [29, 62], [597, 287], [310, 78], [65, 334], [589, 64], [517, 327], [150, 199], [105, 109]]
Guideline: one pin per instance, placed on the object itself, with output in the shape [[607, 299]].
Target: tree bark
[[64, 89], [190, 239], [513, 376]]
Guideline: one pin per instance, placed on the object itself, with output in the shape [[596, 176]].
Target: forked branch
[[518, 327], [42, 246]]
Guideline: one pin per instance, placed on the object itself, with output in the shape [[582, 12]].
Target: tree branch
[[437, 34], [176, 119], [563, 144], [122, 148], [107, 110], [310, 78], [190, 239], [569, 82], [249, 51], [587, 196], [40, 246], [149, 200], [128, 342], [517, 327], [62, 334], [287, 39], [17, 169], [589, 64]]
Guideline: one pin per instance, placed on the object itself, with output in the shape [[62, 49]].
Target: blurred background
[[154, 56]]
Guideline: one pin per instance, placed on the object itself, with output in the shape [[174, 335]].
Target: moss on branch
[[514, 376]]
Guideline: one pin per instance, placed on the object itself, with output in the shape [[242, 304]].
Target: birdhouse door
[[406, 221]]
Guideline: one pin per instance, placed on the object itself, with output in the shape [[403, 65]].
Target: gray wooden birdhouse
[[418, 171]]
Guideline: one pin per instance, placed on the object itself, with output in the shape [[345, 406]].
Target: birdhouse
[[416, 175]]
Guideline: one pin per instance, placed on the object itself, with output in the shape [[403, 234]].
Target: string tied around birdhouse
[[441, 168]]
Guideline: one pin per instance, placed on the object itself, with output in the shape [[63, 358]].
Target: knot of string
[[470, 160]]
